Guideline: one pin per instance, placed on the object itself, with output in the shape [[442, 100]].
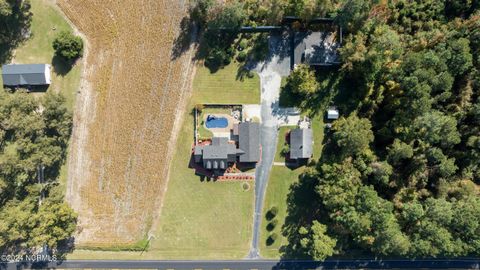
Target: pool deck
[[221, 132]]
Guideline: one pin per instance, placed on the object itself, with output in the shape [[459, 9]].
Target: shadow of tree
[[14, 28], [303, 206], [61, 66], [185, 38]]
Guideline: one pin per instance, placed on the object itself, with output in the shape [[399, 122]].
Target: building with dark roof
[[220, 153], [301, 143], [217, 155], [26, 75], [249, 141], [315, 49]]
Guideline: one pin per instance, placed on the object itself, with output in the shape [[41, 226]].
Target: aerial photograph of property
[[239, 134]]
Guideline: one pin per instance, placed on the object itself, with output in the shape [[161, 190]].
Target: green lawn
[[38, 49], [206, 219], [224, 87], [318, 134], [281, 178], [282, 132]]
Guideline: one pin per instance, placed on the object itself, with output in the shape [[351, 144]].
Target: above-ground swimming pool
[[216, 122]]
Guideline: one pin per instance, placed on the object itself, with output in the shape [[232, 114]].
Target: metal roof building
[[28, 74], [301, 143], [332, 114], [249, 141]]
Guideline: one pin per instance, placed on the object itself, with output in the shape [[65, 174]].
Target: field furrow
[[130, 98]]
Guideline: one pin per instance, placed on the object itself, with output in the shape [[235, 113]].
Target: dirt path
[[127, 115]]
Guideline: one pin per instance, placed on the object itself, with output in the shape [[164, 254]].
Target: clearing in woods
[[131, 101]]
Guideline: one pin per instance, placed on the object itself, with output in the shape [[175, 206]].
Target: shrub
[[67, 45], [271, 239], [285, 150], [271, 213], [242, 45], [272, 225], [242, 56]]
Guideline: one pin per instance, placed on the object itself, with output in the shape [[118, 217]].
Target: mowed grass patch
[[282, 142], [224, 86], [201, 219], [47, 22], [318, 134], [281, 178]]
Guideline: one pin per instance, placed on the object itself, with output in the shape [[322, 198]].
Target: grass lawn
[[281, 178], [282, 132], [224, 87], [38, 49], [318, 134]]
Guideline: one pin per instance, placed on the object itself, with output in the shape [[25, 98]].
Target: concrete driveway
[[270, 72]]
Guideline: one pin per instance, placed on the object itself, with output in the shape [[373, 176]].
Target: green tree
[[353, 14], [381, 172], [399, 151], [302, 81], [352, 134], [460, 60], [200, 10], [318, 244], [338, 185], [55, 222], [68, 46], [15, 19], [437, 128], [57, 117]]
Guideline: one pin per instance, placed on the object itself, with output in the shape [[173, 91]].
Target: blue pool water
[[216, 122]]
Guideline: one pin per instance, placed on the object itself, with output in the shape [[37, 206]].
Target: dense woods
[[399, 172], [34, 134]]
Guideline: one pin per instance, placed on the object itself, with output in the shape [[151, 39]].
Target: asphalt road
[[256, 264]]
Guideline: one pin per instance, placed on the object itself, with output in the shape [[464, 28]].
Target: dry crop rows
[[125, 115]]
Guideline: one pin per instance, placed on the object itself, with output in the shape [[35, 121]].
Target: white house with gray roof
[[26, 74]]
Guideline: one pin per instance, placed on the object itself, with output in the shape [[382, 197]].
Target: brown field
[[127, 112]]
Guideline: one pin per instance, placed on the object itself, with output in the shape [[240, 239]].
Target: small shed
[[332, 114], [26, 74]]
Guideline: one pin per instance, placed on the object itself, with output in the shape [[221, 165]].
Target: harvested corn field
[[130, 104]]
